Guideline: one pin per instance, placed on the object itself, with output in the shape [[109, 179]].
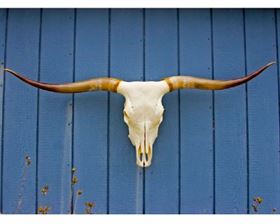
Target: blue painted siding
[[216, 151], [196, 115], [263, 115], [230, 105], [3, 23], [19, 178], [54, 157], [90, 154]]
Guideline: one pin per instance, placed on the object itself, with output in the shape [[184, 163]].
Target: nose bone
[[144, 157]]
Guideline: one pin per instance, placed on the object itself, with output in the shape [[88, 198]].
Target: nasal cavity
[[141, 157], [144, 157], [147, 157]]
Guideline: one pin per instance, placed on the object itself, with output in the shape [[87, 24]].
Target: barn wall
[[216, 152]]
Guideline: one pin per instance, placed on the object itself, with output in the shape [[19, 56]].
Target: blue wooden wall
[[217, 152]]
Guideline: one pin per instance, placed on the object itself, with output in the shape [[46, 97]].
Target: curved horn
[[106, 84], [180, 82]]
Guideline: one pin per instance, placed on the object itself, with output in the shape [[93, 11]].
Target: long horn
[[106, 84], [180, 82]]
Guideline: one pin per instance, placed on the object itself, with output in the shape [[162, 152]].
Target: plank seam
[[38, 112], [247, 118], [3, 107], [277, 64], [72, 209], [179, 113], [108, 113], [213, 113]]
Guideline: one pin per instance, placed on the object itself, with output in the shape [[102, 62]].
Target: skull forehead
[[143, 94]]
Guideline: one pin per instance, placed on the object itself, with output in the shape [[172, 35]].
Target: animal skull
[[143, 109], [143, 116]]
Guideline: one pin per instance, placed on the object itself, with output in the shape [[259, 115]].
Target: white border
[[140, 219], [140, 3]]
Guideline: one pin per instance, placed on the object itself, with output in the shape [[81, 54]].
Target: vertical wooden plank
[[196, 113], [263, 111], [277, 24], [3, 16], [55, 111], [161, 181], [230, 113], [20, 111], [90, 110], [125, 178]]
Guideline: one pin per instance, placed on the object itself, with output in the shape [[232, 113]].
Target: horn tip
[[272, 63]]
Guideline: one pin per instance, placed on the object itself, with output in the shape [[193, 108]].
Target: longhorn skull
[[143, 109]]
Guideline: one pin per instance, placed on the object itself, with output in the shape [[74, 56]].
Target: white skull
[[143, 113]]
